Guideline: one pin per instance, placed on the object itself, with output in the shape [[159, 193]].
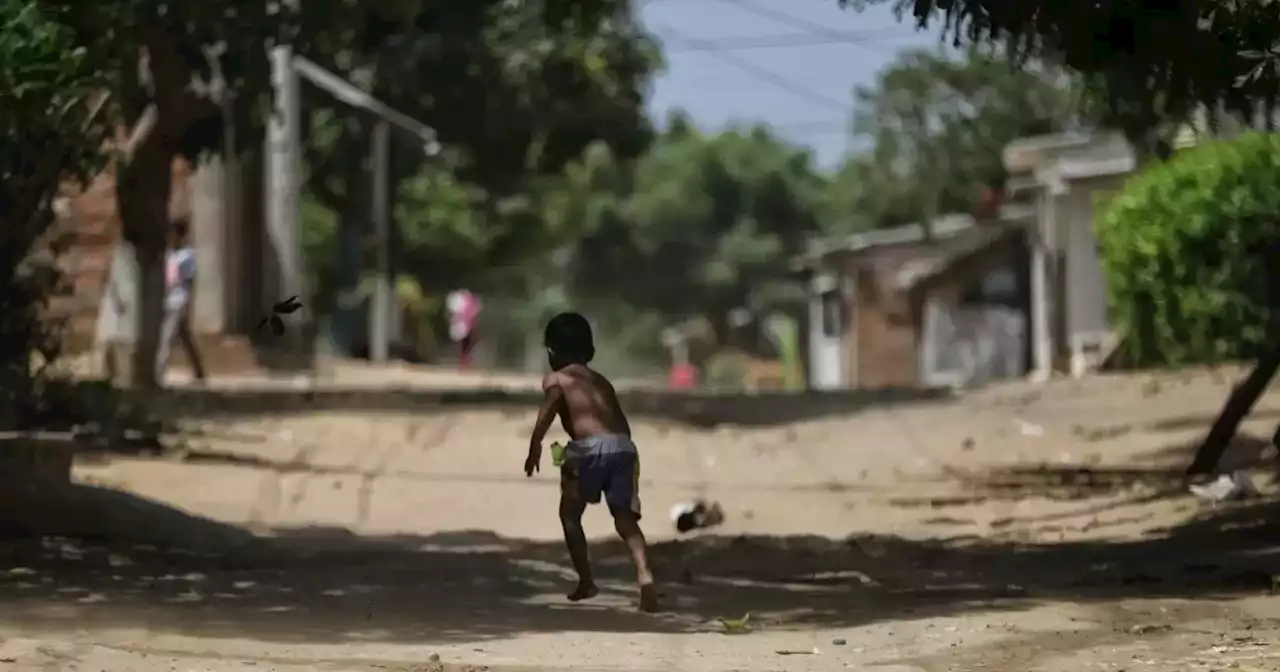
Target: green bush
[[1187, 247]]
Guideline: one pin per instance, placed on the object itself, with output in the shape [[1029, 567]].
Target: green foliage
[[46, 83], [1154, 61], [1189, 247], [518, 92], [936, 128], [703, 224]]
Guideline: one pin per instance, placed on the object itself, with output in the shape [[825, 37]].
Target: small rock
[[1030, 429], [967, 444], [1148, 628], [838, 641], [433, 658]]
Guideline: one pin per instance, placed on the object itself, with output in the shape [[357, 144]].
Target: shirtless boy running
[[600, 458]]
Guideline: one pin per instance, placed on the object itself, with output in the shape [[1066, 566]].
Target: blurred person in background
[[180, 277], [464, 316]]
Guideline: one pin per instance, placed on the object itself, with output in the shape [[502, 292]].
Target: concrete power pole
[[283, 186], [384, 298], [383, 311]]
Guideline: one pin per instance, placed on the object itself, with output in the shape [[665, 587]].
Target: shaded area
[[328, 585], [696, 409], [1153, 476], [1173, 424]]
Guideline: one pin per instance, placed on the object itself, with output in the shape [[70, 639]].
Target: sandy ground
[[1018, 529]]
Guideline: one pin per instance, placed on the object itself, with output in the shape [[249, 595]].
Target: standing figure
[[600, 462], [180, 277], [464, 315]]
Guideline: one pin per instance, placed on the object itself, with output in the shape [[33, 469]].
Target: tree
[[516, 92], [937, 128], [1192, 252], [51, 99], [166, 66], [1178, 246], [1151, 62], [700, 226]]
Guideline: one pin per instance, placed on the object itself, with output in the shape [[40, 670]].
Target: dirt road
[[1017, 529]]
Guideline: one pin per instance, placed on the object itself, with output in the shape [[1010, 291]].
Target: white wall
[[826, 347], [1087, 295]]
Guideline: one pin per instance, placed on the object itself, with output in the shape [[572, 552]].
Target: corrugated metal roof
[[947, 226]]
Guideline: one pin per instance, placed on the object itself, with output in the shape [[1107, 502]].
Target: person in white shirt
[[180, 276]]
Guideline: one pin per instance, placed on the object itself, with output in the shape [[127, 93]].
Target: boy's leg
[[623, 496], [572, 506], [627, 523], [188, 339], [168, 330]]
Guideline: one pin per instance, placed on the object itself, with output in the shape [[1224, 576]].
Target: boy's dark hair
[[568, 335]]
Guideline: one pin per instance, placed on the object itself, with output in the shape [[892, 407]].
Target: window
[[1000, 286], [832, 313]]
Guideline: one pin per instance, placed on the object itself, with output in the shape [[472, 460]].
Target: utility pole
[[384, 291], [283, 182], [383, 308]]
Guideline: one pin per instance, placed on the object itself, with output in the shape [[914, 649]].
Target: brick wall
[[884, 335]]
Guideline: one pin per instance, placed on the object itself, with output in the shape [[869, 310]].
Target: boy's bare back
[[590, 404]]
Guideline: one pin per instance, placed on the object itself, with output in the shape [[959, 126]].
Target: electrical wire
[[812, 28], [762, 74], [756, 42]]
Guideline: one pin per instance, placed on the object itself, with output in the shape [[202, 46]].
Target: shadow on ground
[[323, 585]]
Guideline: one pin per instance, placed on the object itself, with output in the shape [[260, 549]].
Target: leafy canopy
[[936, 127], [1159, 60], [703, 224], [1189, 248]]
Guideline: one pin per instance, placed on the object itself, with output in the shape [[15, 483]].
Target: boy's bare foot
[[584, 591], [648, 598]]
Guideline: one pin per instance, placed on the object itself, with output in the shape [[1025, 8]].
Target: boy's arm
[[552, 402]]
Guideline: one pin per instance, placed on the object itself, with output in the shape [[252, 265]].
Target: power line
[[755, 42], [763, 74], [810, 128], [811, 27]]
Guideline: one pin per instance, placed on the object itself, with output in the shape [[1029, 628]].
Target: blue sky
[[792, 65]]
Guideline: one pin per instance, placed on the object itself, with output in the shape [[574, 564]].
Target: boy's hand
[[531, 463]]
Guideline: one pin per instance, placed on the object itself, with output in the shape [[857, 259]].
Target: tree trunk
[[1238, 406], [143, 184], [1247, 393]]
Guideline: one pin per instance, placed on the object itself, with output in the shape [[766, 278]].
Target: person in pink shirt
[[464, 315]]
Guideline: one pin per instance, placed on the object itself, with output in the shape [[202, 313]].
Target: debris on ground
[[696, 515], [1226, 488], [1030, 429], [738, 626]]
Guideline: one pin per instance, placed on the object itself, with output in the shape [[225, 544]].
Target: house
[[892, 308], [1063, 178]]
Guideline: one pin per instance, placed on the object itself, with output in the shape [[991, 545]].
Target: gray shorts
[[605, 466]]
